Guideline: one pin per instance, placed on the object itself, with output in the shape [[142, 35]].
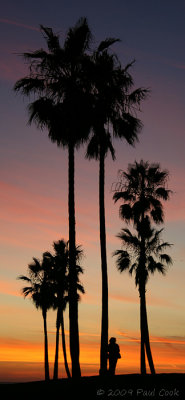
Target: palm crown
[[59, 272], [155, 258], [113, 101], [39, 286], [142, 188], [59, 80]]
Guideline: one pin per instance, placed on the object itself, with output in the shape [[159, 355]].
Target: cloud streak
[[151, 301], [180, 340], [19, 24], [9, 288]]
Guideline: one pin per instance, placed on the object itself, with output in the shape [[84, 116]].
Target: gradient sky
[[33, 187]]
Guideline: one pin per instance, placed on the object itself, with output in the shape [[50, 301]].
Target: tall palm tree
[[40, 291], [143, 188], [58, 81], [113, 105], [142, 264]]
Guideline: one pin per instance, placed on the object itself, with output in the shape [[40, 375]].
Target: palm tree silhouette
[[133, 261], [59, 281], [41, 293], [59, 82], [142, 189], [113, 105]]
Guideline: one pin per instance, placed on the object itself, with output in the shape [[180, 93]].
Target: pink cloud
[[7, 287], [20, 206], [19, 24], [126, 299], [30, 221], [151, 300], [179, 66]]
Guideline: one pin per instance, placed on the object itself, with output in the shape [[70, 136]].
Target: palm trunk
[[142, 297], [46, 360], [104, 321], [64, 346], [73, 302], [142, 329], [55, 374], [147, 339]]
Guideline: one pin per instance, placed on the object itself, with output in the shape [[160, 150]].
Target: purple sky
[[33, 171]]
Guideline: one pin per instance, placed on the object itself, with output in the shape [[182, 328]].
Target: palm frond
[[93, 148], [127, 127], [133, 268], [105, 44], [24, 278], [158, 215], [137, 96], [126, 212], [30, 85], [78, 38], [125, 195], [27, 291], [163, 193], [166, 258], [123, 260], [163, 245], [41, 112], [51, 38], [37, 54]]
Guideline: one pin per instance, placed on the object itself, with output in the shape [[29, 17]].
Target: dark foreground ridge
[[132, 386]]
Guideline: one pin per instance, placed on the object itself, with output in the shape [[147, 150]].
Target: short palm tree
[[59, 279], [39, 290], [143, 188], [113, 105], [132, 260], [58, 81]]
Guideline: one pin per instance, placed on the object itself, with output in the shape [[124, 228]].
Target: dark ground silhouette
[[132, 386]]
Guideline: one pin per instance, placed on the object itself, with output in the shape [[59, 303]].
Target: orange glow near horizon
[[168, 354]]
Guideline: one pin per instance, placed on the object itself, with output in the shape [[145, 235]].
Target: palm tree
[[61, 291], [39, 290], [113, 105], [131, 259], [142, 189], [59, 279], [58, 81]]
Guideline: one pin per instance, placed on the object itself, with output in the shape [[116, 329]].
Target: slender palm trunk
[[104, 321], [142, 296], [73, 302], [142, 329], [55, 374], [64, 346], [147, 338], [46, 359], [145, 341]]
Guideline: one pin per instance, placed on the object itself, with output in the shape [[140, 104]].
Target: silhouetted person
[[113, 355]]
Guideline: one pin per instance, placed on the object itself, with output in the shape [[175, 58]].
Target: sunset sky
[[33, 187]]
